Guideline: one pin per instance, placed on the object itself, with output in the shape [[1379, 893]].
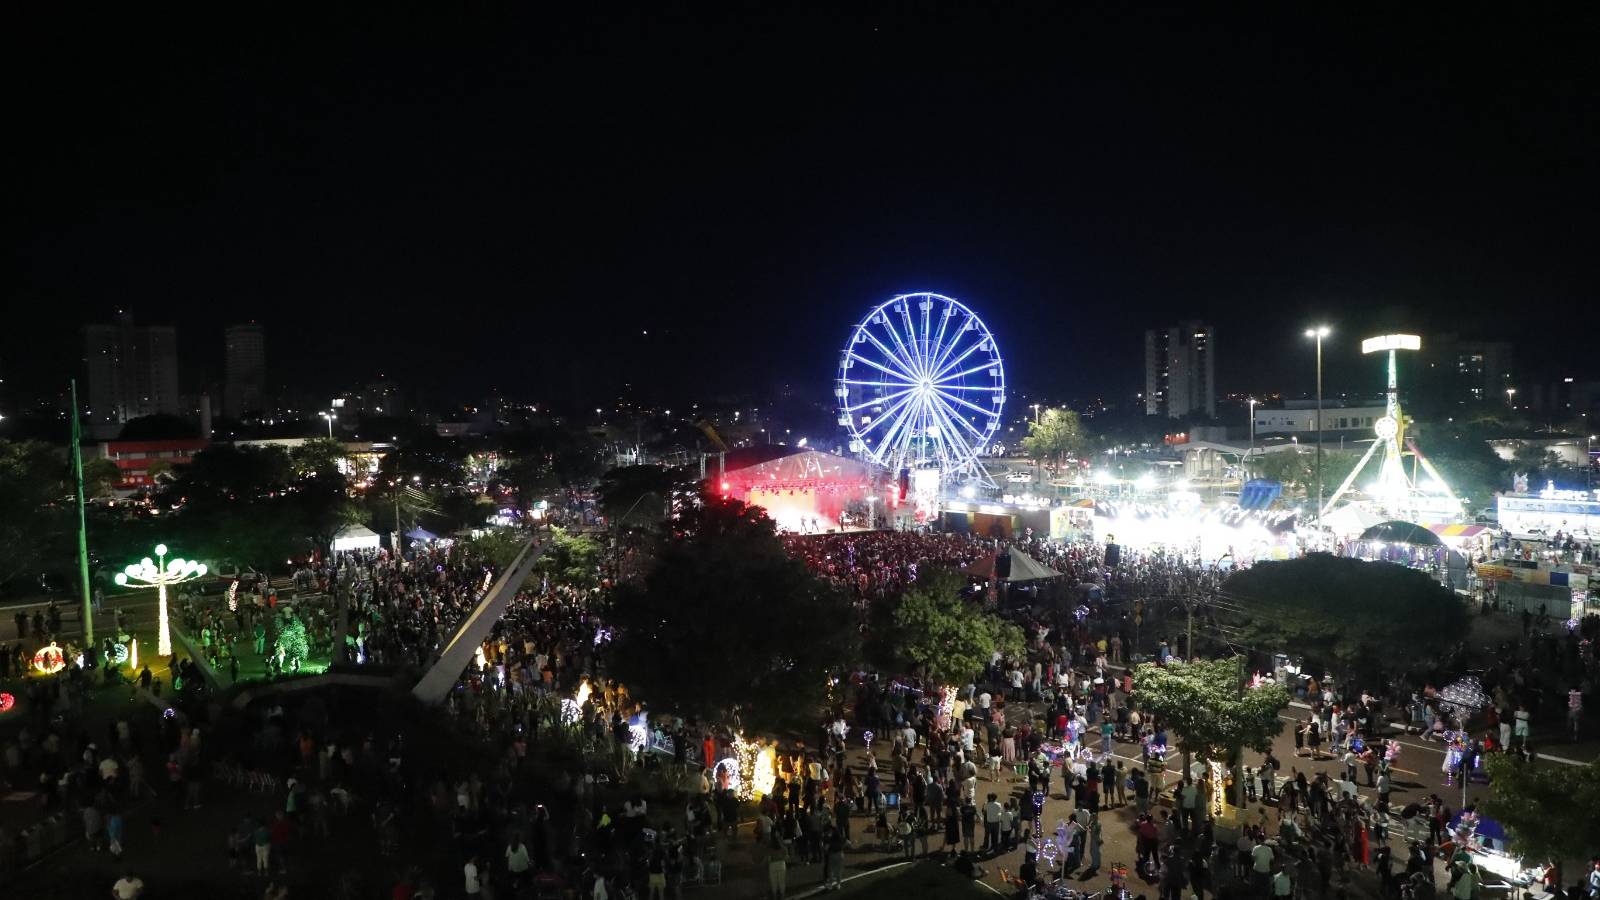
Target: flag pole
[[83, 533]]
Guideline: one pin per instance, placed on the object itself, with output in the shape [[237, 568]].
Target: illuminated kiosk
[[1398, 493], [921, 388]]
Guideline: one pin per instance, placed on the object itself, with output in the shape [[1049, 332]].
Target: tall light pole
[[1318, 333], [1511, 397], [1252, 401], [1035, 413], [330, 417], [160, 574]]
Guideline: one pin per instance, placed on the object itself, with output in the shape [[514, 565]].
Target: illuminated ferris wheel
[[921, 385]]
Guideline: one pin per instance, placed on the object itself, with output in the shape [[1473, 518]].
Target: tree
[[499, 547], [226, 473], [1348, 615], [951, 638], [1207, 705], [639, 495], [316, 455], [32, 522], [1549, 808], [322, 508], [529, 477], [101, 476], [571, 559], [1292, 468], [1056, 435], [726, 627]]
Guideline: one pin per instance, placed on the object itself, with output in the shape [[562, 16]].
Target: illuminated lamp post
[[160, 574], [1318, 333]]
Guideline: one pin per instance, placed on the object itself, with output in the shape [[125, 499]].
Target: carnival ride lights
[[159, 574], [1399, 494], [922, 386]]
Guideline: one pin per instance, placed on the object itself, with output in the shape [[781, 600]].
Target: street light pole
[[1320, 332], [1252, 426]]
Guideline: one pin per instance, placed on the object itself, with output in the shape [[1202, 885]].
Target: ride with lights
[[159, 573]]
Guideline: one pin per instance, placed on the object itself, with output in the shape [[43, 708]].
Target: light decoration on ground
[[482, 661], [947, 706], [119, 653], [1219, 789], [49, 659], [1455, 752], [133, 653], [572, 708], [866, 738], [158, 574], [6, 702], [233, 596], [755, 765], [1038, 823], [728, 769]]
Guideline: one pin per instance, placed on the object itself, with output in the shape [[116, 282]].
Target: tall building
[[132, 371], [1469, 371], [246, 369], [1180, 371]]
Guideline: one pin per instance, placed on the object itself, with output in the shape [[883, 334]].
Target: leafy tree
[[322, 507], [639, 495], [32, 523], [529, 477], [426, 463], [101, 477], [726, 627], [315, 456], [1056, 435], [498, 547], [292, 638], [455, 510], [951, 638], [1549, 809], [227, 473], [161, 471], [1206, 704], [1347, 614], [572, 559]]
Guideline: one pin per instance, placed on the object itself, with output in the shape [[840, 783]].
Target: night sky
[[511, 200]]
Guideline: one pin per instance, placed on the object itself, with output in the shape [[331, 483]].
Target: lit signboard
[[1391, 342]]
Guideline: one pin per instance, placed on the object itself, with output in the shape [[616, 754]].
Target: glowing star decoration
[[160, 573], [50, 659]]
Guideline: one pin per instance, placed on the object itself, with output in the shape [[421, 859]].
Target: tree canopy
[[950, 637], [572, 559], [32, 479], [1347, 614], [1056, 435], [1202, 703], [726, 626], [1549, 809], [639, 495]]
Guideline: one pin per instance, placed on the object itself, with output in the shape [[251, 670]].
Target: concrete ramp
[[458, 651]]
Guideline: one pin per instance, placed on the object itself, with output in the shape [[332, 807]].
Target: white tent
[[355, 537], [1351, 519]]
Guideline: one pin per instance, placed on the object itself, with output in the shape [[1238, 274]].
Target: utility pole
[[83, 528]]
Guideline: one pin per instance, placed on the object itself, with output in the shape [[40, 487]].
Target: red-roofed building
[[133, 458]]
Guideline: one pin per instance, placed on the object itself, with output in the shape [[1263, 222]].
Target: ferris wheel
[[921, 385]]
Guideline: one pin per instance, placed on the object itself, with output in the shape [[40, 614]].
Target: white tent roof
[[355, 537], [1351, 519], [1026, 568]]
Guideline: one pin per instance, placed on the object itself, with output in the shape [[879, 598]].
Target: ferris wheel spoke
[[895, 438], [879, 401], [955, 435], [943, 382], [990, 388], [905, 370], [886, 415], [926, 304], [906, 358], [977, 433], [911, 337], [936, 349], [881, 368], [941, 373], [955, 341], [893, 384], [967, 403]]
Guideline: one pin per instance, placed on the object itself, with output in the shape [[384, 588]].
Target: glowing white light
[[1145, 482]]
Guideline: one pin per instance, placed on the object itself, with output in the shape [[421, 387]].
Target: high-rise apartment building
[[245, 348], [1180, 370], [132, 371]]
